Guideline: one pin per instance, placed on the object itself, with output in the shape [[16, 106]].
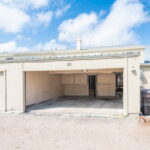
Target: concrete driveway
[[32, 132]]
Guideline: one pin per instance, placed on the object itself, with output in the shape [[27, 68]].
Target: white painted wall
[[41, 86]]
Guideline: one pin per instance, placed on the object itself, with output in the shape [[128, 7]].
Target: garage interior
[[78, 91]]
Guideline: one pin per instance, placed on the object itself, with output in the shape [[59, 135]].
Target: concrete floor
[[78, 105]]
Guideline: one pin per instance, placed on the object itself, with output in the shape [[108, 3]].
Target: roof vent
[[78, 44]]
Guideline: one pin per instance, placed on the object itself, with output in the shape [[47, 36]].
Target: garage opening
[[74, 91]]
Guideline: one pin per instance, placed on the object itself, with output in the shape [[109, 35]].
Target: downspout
[[24, 87], [5, 90], [125, 94], [127, 88]]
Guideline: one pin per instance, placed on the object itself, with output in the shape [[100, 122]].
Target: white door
[[2, 91]]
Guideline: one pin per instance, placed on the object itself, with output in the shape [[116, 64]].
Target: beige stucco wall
[[14, 87], [41, 86], [133, 85]]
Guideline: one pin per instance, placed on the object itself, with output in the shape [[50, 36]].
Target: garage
[[89, 81], [76, 91]]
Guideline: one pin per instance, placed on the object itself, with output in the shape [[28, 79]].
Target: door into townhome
[[92, 85]]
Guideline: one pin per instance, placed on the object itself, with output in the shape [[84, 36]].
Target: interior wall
[[41, 86], [76, 90], [106, 84], [75, 84]]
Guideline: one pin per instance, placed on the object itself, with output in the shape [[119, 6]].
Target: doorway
[[92, 85], [119, 84]]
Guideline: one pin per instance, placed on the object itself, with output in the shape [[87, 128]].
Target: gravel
[[33, 132]]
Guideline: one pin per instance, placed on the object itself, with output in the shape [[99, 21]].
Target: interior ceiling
[[96, 71]]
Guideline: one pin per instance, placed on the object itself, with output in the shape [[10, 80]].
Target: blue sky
[[49, 24]]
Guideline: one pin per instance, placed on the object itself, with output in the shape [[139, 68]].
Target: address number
[[69, 64]]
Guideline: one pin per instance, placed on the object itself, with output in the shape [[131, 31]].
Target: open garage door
[[2, 91], [69, 92]]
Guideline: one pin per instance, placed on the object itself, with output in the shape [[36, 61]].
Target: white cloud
[[37, 3], [25, 4], [44, 17], [11, 46], [20, 37], [14, 14], [61, 11], [12, 19], [102, 12], [78, 27], [22, 49], [7, 47], [115, 29], [51, 45]]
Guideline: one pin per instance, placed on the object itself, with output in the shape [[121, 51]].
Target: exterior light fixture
[[132, 68], [84, 70]]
